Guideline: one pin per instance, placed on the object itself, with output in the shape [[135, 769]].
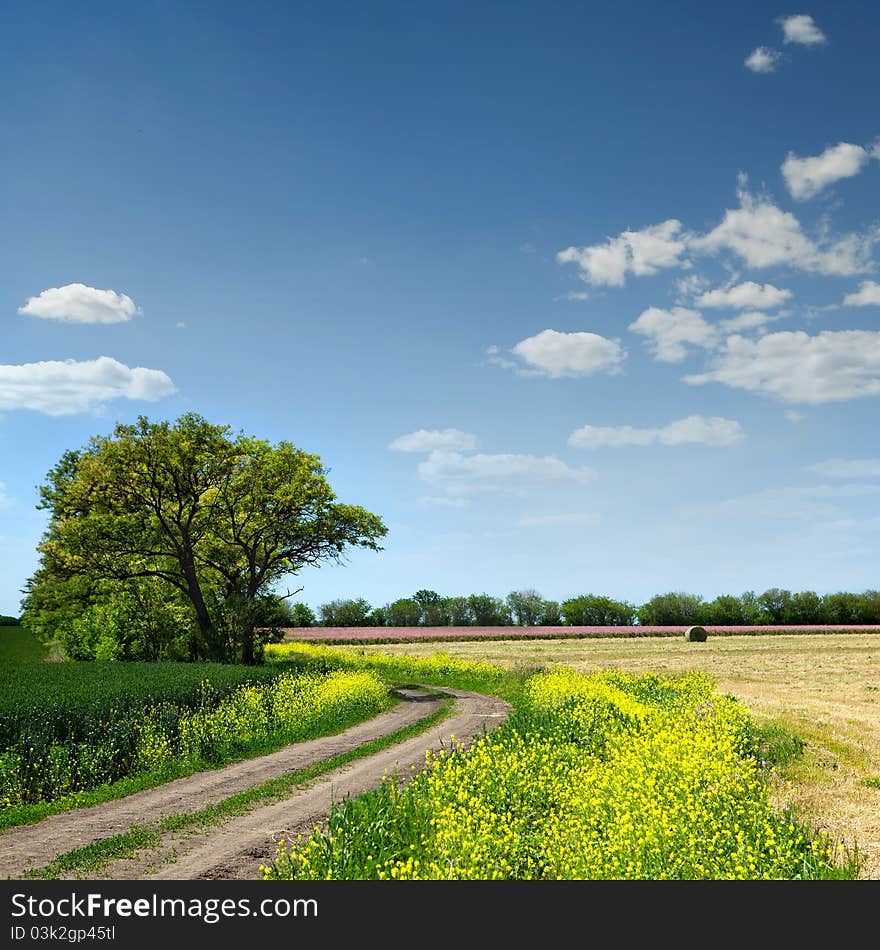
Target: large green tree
[[218, 517]]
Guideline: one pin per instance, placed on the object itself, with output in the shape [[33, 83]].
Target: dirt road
[[237, 848]]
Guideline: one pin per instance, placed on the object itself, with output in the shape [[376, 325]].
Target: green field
[[72, 734], [19, 645]]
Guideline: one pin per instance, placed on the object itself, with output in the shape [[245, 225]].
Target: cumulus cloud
[[805, 177], [763, 235], [745, 295], [632, 252], [60, 388], [763, 59], [752, 320], [77, 303], [431, 440], [670, 332], [868, 295], [847, 468], [802, 29], [690, 286], [556, 354], [714, 431], [833, 366], [461, 474]]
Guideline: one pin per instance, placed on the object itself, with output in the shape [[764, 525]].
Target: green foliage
[[488, 611], [726, 610], [458, 611], [406, 612], [526, 606], [675, 608], [301, 615], [212, 518], [592, 610], [551, 615], [775, 604], [774, 607], [346, 612], [9, 621]]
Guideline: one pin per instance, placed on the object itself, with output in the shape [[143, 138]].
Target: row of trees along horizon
[[527, 608], [168, 541]]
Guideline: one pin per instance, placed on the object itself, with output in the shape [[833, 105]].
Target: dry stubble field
[[824, 687]]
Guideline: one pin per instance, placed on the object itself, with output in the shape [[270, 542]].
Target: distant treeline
[[526, 608], [9, 621]]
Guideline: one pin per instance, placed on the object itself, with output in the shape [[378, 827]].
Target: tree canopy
[[216, 518]]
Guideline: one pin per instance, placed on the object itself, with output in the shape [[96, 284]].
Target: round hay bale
[[695, 634]]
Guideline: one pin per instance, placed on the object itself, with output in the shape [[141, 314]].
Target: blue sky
[[577, 296]]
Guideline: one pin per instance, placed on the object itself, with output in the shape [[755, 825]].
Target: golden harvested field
[[824, 687]]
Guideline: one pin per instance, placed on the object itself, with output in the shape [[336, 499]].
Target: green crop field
[[19, 645], [70, 729]]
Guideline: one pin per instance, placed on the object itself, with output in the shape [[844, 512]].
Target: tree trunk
[[216, 648]]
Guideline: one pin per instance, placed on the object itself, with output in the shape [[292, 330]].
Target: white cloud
[[752, 320], [61, 388], [763, 235], [763, 59], [631, 252], [461, 474], [574, 296], [669, 332], [714, 431], [748, 294], [555, 354], [690, 286], [801, 28], [805, 177], [795, 367], [794, 416], [431, 440], [432, 501], [4, 498], [868, 295], [566, 519], [847, 468], [77, 303]]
